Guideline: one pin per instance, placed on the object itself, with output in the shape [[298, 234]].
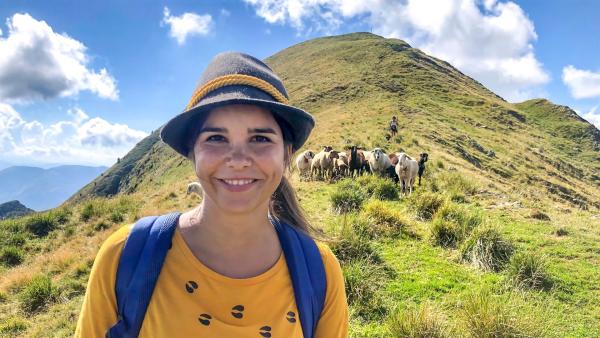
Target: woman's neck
[[217, 238]]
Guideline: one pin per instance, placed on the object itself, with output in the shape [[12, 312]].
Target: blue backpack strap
[[141, 260], [307, 272]]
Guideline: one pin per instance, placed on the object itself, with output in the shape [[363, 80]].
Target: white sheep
[[322, 163], [379, 161], [195, 187], [407, 169], [303, 162]]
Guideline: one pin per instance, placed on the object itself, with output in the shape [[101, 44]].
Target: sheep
[[379, 161], [195, 187], [340, 167], [406, 169], [303, 162], [423, 157], [322, 163], [355, 161]]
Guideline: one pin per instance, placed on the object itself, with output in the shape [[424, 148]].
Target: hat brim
[[175, 131]]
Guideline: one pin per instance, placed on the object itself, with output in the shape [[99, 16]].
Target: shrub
[[41, 224], [37, 294], [3, 297], [12, 327], [467, 218], [351, 247], [11, 256], [346, 199], [539, 215], [529, 271], [561, 231], [424, 321], [385, 221], [385, 189], [16, 239], [486, 249], [364, 282], [426, 204], [486, 315], [453, 181], [445, 233], [102, 225], [116, 216], [88, 211]]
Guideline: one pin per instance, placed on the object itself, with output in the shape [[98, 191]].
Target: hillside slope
[[354, 83]]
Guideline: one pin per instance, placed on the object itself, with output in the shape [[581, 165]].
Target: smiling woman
[[242, 263]]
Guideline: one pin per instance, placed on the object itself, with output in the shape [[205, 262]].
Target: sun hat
[[237, 78]]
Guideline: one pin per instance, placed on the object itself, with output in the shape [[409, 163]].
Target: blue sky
[[82, 82]]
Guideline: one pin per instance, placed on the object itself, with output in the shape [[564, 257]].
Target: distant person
[[243, 262], [393, 126]]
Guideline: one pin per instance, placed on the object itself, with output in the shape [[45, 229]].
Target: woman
[[227, 272]]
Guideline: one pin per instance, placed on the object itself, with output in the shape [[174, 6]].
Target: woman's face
[[239, 157]]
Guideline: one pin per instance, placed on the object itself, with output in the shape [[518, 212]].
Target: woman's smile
[[237, 185]]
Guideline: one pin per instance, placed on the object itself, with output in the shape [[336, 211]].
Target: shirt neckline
[[180, 245]]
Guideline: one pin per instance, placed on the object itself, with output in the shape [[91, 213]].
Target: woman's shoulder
[[113, 244]]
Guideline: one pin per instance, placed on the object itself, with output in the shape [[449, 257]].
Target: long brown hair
[[284, 204]]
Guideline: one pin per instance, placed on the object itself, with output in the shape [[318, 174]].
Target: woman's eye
[[215, 138], [261, 139]]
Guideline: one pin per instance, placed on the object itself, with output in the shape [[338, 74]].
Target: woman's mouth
[[237, 185]]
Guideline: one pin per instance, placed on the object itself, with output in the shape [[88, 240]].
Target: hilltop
[[13, 209], [515, 181]]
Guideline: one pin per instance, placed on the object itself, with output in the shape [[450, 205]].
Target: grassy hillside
[[503, 236]]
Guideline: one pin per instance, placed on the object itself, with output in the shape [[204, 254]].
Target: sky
[[81, 82]]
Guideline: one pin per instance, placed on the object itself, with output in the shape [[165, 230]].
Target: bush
[[41, 224], [487, 315], [487, 250], [37, 294], [529, 271], [351, 247], [364, 282], [386, 221], [419, 322], [116, 216], [12, 327], [452, 224], [426, 204], [469, 219], [90, 209], [454, 181], [446, 233], [561, 231], [11, 256], [102, 225], [346, 199], [385, 189]]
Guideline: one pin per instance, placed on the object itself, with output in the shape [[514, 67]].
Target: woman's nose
[[238, 158]]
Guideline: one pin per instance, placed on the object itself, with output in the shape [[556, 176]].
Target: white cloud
[[225, 12], [37, 63], [187, 24], [492, 44], [593, 117], [81, 139], [582, 83]]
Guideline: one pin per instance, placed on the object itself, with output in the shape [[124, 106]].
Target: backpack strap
[[141, 260], [307, 272]]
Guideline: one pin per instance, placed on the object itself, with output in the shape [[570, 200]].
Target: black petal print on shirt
[[205, 319], [291, 317], [237, 311], [265, 331], [191, 286]]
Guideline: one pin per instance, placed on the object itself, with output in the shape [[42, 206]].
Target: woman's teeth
[[238, 182]]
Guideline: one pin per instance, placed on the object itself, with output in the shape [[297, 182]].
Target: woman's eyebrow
[[212, 129], [261, 131]]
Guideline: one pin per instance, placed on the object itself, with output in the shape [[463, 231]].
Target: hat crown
[[229, 63]]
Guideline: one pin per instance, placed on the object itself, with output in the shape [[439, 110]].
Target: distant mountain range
[[42, 189], [13, 209]]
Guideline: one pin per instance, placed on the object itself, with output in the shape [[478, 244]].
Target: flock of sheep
[[329, 163]]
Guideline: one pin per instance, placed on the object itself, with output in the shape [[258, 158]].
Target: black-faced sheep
[[303, 162], [423, 157], [407, 169]]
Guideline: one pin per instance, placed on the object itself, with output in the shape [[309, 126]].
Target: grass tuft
[[424, 321], [487, 250], [529, 271]]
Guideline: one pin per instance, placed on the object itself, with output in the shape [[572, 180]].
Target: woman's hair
[[284, 204]]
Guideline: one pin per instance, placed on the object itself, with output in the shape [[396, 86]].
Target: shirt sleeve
[[334, 318], [99, 308]]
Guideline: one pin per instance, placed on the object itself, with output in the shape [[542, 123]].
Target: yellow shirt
[[191, 300]]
